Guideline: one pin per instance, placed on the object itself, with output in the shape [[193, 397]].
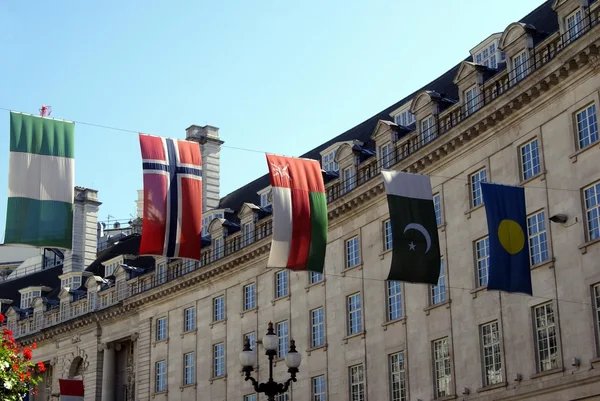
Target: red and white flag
[[172, 221], [71, 390]]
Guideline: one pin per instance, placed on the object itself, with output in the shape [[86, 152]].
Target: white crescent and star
[[422, 230]]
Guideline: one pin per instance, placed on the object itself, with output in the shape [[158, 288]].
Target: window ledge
[[429, 308], [323, 347], [390, 322], [549, 263], [255, 310], [322, 282], [165, 393], [166, 341], [382, 254], [357, 267], [446, 398], [442, 227], [583, 247], [478, 290], [540, 175], [492, 387], [194, 332], [213, 379], [192, 385], [288, 296], [573, 156], [547, 373], [222, 321], [471, 210], [362, 335]]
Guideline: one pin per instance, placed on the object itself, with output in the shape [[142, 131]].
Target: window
[[387, 235], [349, 177], [219, 308], [574, 25], [404, 118], [281, 284], [427, 130], [249, 296], [596, 296], [318, 389], [329, 163], [248, 234], [354, 314], [490, 352], [587, 126], [471, 100], [161, 273], [251, 337], [314, 277], [28, 297], [397, 377], [161, 329], [161, 376], [282, 336], [282, 397], [519, 63], [250, 397], [394, 300], [488, 56], [109, 269], [218, 248], [92, 301], [437, 207], [530, 160], [475, 181], [592, 211], [546, 342], [441, 361], [538, 243], [265, 198], [357, 383], [189, 319], [317, 336], [206, 220], [482, 254], [189, 368], [219, 360], [386, 155], [438, 291], [72, 282], [352, 252]]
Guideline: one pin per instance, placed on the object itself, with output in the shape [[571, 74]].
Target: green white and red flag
[[299, 214]]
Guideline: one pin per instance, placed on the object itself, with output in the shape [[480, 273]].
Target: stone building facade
[[520, 110]]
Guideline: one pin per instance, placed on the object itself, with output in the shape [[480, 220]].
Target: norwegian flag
[[172, 223]]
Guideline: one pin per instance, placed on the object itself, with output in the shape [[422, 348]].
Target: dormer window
[[265, 198], [73, 282], [386, 155], [206, 219], [427, 130], [487, 52], [329, 163], [471, 100], [404, 118], [109, 269], [28, 297], [519, 63], [574, 25]]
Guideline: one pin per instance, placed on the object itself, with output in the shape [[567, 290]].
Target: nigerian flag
[[416, 247], [41, 175]]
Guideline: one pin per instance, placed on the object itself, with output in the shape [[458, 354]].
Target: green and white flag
[[416, 248], [41, 178]]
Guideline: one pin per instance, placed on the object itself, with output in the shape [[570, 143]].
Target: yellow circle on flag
[[511, 236]]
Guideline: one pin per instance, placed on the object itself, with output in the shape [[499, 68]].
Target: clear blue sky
[[273, 75]]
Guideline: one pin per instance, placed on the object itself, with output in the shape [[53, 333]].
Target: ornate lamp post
[[248, 359]]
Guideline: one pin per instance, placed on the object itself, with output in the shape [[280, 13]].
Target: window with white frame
[[161, 273], [282, 397], [545, 334], [71, 282], [354, 314], [318, 389], [386, 155], [349, 177], [249, 296], [281, 284], [587, 126], [265, 198], [317, 324], [282, 339], [441, 362], [596, 295], [218, 248], [482, 256], [574, 24], [189, 319], [110, 268], [329, 163], [404, 118], [519, 64], [92, 300], [161, 329], [427, 130], [352, 252], [219, 360], [248, 233], [357, 382], [251, 337], [189, 368], [28, 297], [437, 207], [490, 352], [161, 376], [475, 181], [471, 100], [250, 397], [538, 242], [387, 235], [397, 377], [488, 56], [438, 291], [219, 308], [394, 300], [592, 211], [530, 159], [314, 277]]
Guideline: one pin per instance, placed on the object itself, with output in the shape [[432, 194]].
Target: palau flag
[[509, 269]]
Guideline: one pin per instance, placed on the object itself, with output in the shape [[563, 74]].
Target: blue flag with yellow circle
[[509, 269]]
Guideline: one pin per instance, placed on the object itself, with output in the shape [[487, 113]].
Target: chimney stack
[[210, 147]]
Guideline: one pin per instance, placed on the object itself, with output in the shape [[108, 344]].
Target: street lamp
[[248, 359]]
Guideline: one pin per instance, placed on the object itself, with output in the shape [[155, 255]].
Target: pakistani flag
[[41, 175], [416, 247]]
